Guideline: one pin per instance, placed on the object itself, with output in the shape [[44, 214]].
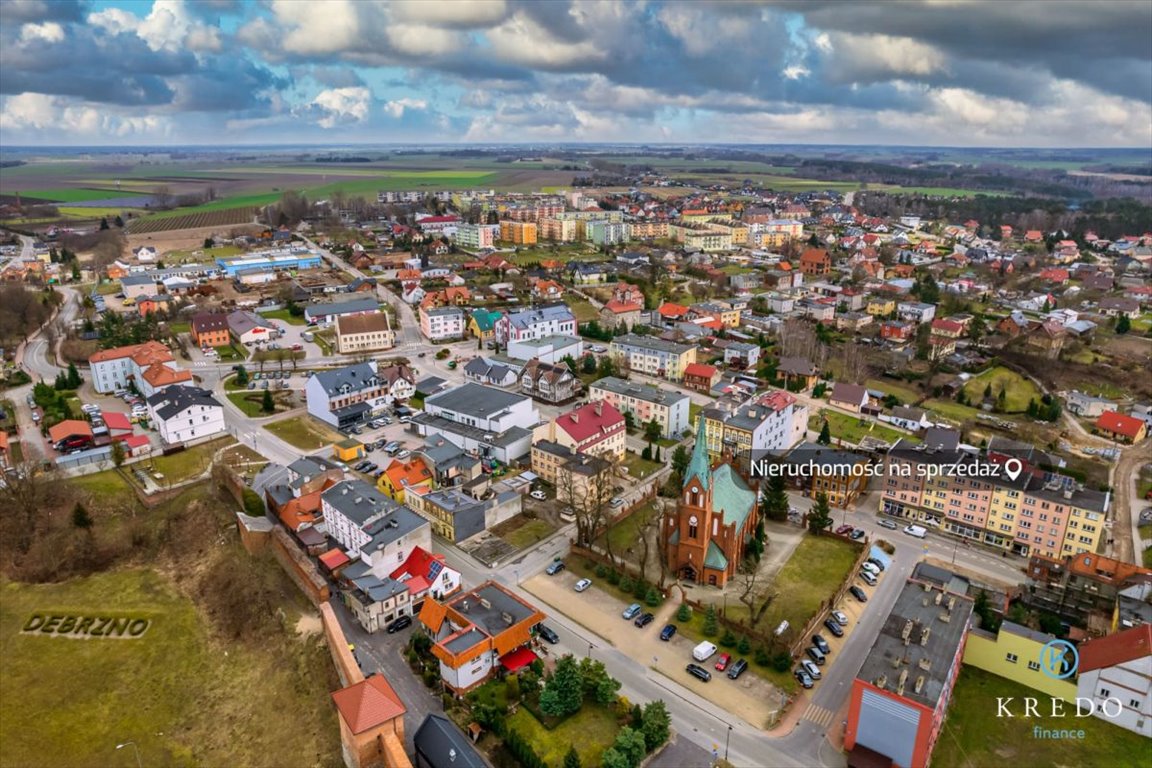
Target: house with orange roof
[[296, 500], [5, 457], [1121, 427], [372, 724], [70, 434], [151, 304], [815, 261], [400, 476], [547, 290], [1115, 672], [670, 312]]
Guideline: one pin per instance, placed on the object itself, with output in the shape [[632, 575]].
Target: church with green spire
[[715, 517]]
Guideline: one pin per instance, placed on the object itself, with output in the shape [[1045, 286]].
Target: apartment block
[[476, 236], [652, 355], [645, 402], [150, 366], [443, 323], [558, 230], [772, 422], [518, 232]]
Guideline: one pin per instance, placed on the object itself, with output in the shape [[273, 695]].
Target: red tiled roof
[[589, 420], [334, 558], [1119, 424], [947, 325], [619, 307], [68, 428], [134, 441], [700, 369], [3, 441], [668, 309], [368, 704], [409, 473], [117, 420], [1109, 651]]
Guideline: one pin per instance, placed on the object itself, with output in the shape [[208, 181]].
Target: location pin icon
[[1013, 468]]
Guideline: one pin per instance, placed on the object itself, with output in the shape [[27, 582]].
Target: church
[[714, 519]]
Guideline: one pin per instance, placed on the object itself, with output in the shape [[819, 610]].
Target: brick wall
[[302, 570]]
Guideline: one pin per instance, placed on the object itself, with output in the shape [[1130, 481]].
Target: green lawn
[[974, 737], [852, 429], [626, 533], [591, 730], [1147, 558], [816, 568], [582, 309], [285, 316], [177, 328], [230, 353], [906, 393], [70, 702], [76, 194], [108, 483], [950, 409], [188, 464], [638, 467], [1017, 390], [693, 412], [527, 533], [252, 402], [304, 432]]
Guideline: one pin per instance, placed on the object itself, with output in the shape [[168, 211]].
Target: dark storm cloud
[[221, 85], [25, 11]]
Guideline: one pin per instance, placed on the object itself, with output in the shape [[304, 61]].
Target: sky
[[1005, 73]]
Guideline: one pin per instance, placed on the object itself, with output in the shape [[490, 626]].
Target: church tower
[[692, 524]]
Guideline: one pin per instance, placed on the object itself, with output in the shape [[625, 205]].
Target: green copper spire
[[699, 466]]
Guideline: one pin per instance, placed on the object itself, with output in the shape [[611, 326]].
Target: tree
[[614, 758], [80, 517], [684, 613], [988, 390], [680, 459], [825, 437], [589, 364], [757, 600], [74, 379], [821, 515], [586, 493], [117, 454], [103, 223], [607, 367], [209, 243], [241, 376], [744, 646], [268, 405], [774, 504], [1123, 324], [711, 626], [572, 758], [119, 221], [652, 431], [655, 724], [630, 743], [596, 682], [646, 454], [563, 694], [512, 684]]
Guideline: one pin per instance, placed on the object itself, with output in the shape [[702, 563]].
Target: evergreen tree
[[630, 743], [744, 646], [988, 390], [655, 724], [589, 365], [571, 758], [268, 405], [241, 376], [1123, 324], [775, 504], [711, 626], [652, 431], [74, 379], [564, 692], [117, 454], [684, 613], [80, 517], [821, 515], [646, 454], [103, 223], [825, 437]]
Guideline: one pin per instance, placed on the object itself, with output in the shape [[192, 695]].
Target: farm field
[[214, 218], [75, 194]]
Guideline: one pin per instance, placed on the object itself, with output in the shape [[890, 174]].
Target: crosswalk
[[819, 715]]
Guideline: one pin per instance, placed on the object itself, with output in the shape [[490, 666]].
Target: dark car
[[737, 669], [548, 634], [857, 534], [698, 672], [803, 678], [877, 562], [822, 644], [858, 594], [555, 567], [834, 628], [815, 655], [399, 624], [667, 633], [644, 620]]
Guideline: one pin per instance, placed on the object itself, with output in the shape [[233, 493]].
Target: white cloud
[[49, 32], [523, 41], [332, 26], [396, 107], [867, 58], [42, 114], [795, 72], [340, 106], [460, 13], [168, 27]]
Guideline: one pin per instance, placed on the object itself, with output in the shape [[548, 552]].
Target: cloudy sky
[[938, 72]]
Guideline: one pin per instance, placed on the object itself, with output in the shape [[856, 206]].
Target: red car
[[843, 530], [722, 662]]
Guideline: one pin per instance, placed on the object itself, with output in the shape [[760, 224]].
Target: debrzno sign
[[79, 627]]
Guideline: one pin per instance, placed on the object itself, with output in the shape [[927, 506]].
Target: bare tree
[[162, 198], [756, 600], [584, 488], [854, 363]]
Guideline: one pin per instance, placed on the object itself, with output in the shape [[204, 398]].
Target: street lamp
[[589, 650], [134, 749], [727, 739]]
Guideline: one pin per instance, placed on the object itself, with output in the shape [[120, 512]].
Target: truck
[[703, 651]]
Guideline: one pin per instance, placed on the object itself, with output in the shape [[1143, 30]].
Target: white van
[[703, 651], [917, 531]]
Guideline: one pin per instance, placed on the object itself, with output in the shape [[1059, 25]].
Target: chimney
[[598, 407], [575, 416]]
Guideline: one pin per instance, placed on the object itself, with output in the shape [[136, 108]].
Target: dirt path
[[1124, 516]]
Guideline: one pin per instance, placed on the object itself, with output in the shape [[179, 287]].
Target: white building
[[443, 323], [183, 414], [373, 527], [346, 396], [476, 236], [1115, 673], [149, 365], [249, 328], [556, 320], [548, 349], [357, 334], [495, 424]]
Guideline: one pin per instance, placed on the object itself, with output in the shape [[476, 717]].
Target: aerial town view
[[575, 384]]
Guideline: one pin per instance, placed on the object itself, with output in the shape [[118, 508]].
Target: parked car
[[843, 529], [644, 620], [889, 524], [869, 578], [403, 454], [737, 669], [548, 634], [391, 448], [918, 531], [555, 567], [370, 467], [858, 594], [822, 644], [857, 534], [840, 618], [835, 628], [815, 654], [878, 563], [668, 632], [399, 624], [871, 567], [812, 670], [803, 677], [698, 672], [722, 662], [539, 495], [583, 584], [617, 502], [631, 611]]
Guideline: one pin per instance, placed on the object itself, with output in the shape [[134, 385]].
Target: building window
[[1134, 704], [1034, 666], [1105, 693], [1011, 658]]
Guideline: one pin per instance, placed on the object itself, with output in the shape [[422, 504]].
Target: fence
[[827, 605]]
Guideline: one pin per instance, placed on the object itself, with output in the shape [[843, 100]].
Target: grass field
[[108, 483], [252, 403], [526, 532], [304, 432], [626, 532], [905, 392], [591, 730], [951, 410], [849, 428], [638, 467], [77, 212], [190, 463], [223, 204], [184, 697], [974, 737], [1017, 390], [76, 194], [284, 316], [582, 309]]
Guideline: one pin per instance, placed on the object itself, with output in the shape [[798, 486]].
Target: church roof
[[731, 496], [715, 558], [699, 466]]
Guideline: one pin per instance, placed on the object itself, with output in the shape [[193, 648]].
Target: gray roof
[[443, 311], [936, 650], [137, 280], [529, 317], [650, 343], [475, 400], [321, 309], [430, 384], [848, 393], [907, 413], [648, 392], [174, 400], [358, 376], [241, 321], [452, 501], [447, 426], [490, 617], [377, 515], [440, 744], [481, 368]]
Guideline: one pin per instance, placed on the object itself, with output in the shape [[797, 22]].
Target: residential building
[[296, 500], [457, 516], [249, 328], [346, 396], [482, 324], [900, 697], [606, 232], [400, 381], [548, 349], [582, 482], [739, 355], [443, 324], [1119, 667], [548, 382], [700, 377], [491, 372], [555, 320], [547, 458], [897, 331], [450, 464], [905, 417], [701, 237], [150, 366], [1082, 589], [715, 517], [137, 286], [581, 273], [652, 355], [558, 230], [1121, 427], [645, 402], [404, 475], [427, 574], [325, 314], [209, 329], [916, 312], [1087, 406], [839, 474], [369, 525], [361, 334], [477, 236], [518, 232], [596, 428], [770, 423], [1014, 652], [477, 630], [182, 414], [850, 397], [497, 425], [797, 370], [880, 306], [647, 230], [438, 743], [815, 261]]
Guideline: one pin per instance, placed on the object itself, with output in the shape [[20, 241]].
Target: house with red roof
[[671, 313], [1121, 427], [426, 574], [118, 423], [700, 377], [1115, 672], [1033, 236], [547, 290], [597, 428], [815, 261], [1056, 275], [372, 724]]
